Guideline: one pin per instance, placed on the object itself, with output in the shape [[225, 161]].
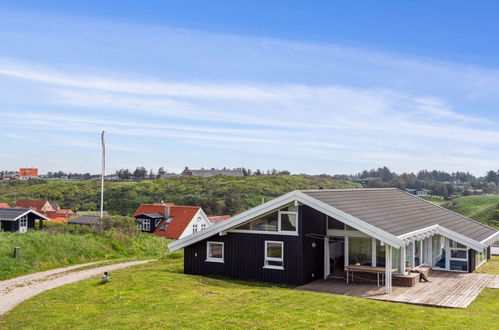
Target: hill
[[217, 195], [481, 208]]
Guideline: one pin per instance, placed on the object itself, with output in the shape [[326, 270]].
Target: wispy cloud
[[259, 101]]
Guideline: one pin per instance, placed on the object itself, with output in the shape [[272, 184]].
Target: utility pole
[[102, 175]]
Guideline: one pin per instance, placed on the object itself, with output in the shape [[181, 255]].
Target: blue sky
[[307, 86]]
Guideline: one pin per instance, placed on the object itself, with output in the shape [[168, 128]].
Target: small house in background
[[19, 219], [35, 204], [218, 218], [207, 173], [169, 220], [28, 173], [3, 205], [419, 192], [87, 220], [10, 175]]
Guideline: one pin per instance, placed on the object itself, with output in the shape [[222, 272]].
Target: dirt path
[[19, 289]]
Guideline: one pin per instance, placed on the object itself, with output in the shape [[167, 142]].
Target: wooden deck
[[446, 289]]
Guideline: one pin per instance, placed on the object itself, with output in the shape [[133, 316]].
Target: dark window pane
[[288, 222], [334, 224]]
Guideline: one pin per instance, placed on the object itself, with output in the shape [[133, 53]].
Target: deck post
[[327, 266], [388, 269]]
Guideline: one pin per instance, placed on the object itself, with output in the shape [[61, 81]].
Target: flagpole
[[102, 175]]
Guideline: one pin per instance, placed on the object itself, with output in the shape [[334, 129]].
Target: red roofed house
[[34, 204], [218, 218], [4, 205], [28, 173], [169, 220]]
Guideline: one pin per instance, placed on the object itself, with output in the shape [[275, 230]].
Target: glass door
[[337, 256]]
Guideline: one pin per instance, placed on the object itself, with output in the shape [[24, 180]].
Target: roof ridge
[[348, 189]]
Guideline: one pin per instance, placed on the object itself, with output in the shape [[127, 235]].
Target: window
[[215, 251], [438, 251], [144, 224], [458, 258], [283, 221], [360, 251], [165, 224], [409, 249], [332, 223], [480, 258], [195, 228], [24, 221], [203, 226], [274, 255], [381, 254]]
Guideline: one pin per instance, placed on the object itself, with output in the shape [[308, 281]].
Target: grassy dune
[[41, 250], [159, 296], [481, 208]]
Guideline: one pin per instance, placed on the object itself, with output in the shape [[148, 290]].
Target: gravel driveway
[[19, 289]]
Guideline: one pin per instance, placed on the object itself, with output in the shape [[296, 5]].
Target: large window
[[144, 224], [274, 255], [380, 254], [360, 251], [438, 251], [409, 250], [215, 251], [283, 221], [458, 259]]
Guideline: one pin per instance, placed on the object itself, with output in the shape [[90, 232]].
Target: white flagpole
[[102, 176]]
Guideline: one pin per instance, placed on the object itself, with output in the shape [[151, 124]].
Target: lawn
[[158, 295], [42, 250]]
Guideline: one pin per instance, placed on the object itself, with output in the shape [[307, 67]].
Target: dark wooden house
[[308, 235], [20, 219]]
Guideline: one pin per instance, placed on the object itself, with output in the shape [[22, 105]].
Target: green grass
[[491, 267], [434, 200], [158, 295], [41, 250], [480, 208]]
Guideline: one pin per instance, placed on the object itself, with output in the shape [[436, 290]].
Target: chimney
[[167, 211]]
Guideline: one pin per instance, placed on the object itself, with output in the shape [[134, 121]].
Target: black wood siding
[[244, 254]]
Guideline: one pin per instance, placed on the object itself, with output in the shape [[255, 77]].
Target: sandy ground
[[19, 289]]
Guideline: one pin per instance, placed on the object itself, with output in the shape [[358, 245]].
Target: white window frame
[[23, 224], [211, 259], [279, 222], [203, 226], [143, 225], [484, 252], [194, 228], [267, 258], [279, 231]]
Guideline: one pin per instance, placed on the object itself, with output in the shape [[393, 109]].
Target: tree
[[161, 172], [140, 173], [492, 176]]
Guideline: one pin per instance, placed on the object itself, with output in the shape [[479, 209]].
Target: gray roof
[[12, 213], [398, 212], [208, 173], [85, 220], [151, 215]]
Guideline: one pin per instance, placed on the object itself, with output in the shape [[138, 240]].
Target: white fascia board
[[34, 212], [350, 220], [418, 232], [296, 195], [475, 245], [491, 239], [233, 222]]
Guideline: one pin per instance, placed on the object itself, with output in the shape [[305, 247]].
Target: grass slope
[[480, 208], [159, 296], [217, 195], [41, 250]]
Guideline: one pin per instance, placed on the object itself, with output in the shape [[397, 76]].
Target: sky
[[308, 86]]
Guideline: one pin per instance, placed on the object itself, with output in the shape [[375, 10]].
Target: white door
[[23, 224]]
